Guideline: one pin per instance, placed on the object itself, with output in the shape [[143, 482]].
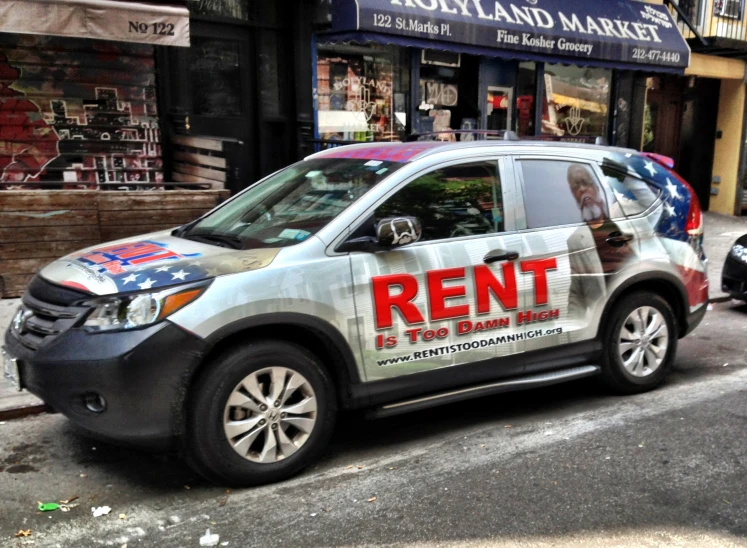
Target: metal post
[[539, 97]]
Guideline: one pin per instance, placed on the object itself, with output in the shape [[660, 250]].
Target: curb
[[24, 411]]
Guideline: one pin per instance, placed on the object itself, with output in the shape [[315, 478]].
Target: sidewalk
[[720, 233], [14, 404]]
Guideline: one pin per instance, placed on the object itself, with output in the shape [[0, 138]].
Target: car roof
[[410, 152]]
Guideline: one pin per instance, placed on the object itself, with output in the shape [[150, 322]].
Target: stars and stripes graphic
[[675, 198], [684, 249], [191, 269], [160, 276]]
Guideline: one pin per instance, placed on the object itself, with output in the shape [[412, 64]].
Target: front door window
[[455, 201]]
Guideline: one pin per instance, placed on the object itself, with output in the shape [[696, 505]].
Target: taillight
[[694, 225]]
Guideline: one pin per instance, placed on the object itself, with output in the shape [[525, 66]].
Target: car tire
[[233, 423], [640, 343]]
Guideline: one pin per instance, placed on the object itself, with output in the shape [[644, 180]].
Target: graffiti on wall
[[77, 114]]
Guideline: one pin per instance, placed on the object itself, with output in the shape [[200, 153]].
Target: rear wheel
[[260, 413], [640, 343]]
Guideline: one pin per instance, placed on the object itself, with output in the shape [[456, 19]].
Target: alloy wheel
[[643, 343], [270, 414]]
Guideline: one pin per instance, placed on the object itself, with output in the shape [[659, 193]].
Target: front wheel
[[260, 413], [640, 343]]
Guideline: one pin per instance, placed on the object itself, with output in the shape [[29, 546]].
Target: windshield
[[292, 205]]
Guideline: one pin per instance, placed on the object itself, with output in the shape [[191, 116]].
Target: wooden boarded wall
[[38, 227]]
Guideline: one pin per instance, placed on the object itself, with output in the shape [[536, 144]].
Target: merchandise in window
[[448, 95], [357, 99], [576, 101], [452, 202]]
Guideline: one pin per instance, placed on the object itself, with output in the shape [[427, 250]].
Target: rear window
[[633, 195]]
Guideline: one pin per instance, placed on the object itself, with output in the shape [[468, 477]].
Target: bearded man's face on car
[[586, 192]]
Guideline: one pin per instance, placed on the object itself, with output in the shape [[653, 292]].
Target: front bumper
[[734, 278], [142, 375]]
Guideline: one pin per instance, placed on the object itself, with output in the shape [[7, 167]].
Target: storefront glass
[[526, 90], [448, 93], [361, 94], [576, 101]]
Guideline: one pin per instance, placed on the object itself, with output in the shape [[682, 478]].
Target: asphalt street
[[569, 465]]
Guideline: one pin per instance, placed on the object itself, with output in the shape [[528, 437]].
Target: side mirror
[[398, 231]]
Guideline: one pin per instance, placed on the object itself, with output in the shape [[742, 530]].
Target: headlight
[[739, 252], [140, 309]]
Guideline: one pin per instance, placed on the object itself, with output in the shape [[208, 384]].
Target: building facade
[[117, 105], [385, 70], [699, 118]]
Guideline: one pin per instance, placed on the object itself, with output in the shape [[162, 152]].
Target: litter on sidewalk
[[209, 539], [100, 511]]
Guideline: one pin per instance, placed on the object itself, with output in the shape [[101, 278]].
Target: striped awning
[[157, 24]]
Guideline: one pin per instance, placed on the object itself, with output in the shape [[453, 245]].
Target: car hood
[[151, 261]]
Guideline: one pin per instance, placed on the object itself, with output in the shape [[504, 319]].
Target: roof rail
[[474, 135], [601, 142], [450, 135]]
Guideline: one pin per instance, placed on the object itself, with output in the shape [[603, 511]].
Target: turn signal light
[[174, 302]]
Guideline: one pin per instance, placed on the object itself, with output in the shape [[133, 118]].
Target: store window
[[448, 93], [361, 93], [215, 77], [236, 9], [246, 10], [728, 8], [576, 101]]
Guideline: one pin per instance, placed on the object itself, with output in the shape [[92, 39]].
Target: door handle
[[618, 239], [498, 255]]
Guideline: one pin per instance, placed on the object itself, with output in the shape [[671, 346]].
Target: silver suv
[[390, 277]]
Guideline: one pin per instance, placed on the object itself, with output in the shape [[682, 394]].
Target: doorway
[[235, 84], [497, 83], [680, 122], [219, 99]]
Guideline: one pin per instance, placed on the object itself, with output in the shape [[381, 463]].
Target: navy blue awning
[[622, 34]]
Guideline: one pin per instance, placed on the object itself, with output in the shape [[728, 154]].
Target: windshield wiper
[[218, 239]]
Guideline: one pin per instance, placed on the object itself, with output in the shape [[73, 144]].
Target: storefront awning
[[621, 34], [124, 21]]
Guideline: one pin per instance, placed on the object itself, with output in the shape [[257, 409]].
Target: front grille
[[42, 321]]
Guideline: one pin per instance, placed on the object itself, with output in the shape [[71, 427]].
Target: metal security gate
[[78, 113]]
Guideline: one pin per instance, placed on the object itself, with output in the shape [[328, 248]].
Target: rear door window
[[559, 192]]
